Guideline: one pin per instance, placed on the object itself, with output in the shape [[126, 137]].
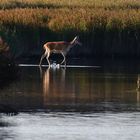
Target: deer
[[61, 47]]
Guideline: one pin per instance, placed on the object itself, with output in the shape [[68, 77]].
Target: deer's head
[[76, 41]]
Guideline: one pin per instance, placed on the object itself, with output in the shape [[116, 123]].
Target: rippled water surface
[[71, 126], [75, 103]]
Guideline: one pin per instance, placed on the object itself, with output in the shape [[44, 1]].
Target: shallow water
[[69, 126], [73, 103]]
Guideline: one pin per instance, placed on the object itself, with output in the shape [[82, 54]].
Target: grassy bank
[[106, 28], [8, 70]]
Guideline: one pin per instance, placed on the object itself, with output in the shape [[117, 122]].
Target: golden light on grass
[[109, 20]]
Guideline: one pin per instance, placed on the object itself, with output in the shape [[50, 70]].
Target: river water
[[73, 103]]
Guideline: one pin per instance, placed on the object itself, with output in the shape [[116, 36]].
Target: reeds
[[72, 14], [65, 19], [94, 20]]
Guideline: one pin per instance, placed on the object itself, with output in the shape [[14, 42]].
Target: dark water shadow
[[8, 75]]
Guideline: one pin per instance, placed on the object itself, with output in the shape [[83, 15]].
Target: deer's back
[[61, 45]]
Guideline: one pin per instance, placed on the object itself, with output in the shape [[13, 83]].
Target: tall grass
[[64, 19], [105, 26]]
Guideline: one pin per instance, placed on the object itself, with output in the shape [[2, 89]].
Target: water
[[71, 126], [75, 103]]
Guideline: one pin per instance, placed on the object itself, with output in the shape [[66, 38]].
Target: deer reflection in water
[[55, 90], [74, 86]]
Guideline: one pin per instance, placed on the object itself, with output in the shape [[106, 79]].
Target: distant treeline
[[106, 28]]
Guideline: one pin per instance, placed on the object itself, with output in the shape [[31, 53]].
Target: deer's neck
[[69, 47]]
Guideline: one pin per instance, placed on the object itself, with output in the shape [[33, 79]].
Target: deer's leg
[[42, 57], [48, 54], [64, 60]]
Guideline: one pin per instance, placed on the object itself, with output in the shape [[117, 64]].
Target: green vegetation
[[3, 46], [8, 70], [4, 61], [106, 27]]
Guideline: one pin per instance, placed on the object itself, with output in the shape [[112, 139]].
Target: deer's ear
[[77, 37]]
